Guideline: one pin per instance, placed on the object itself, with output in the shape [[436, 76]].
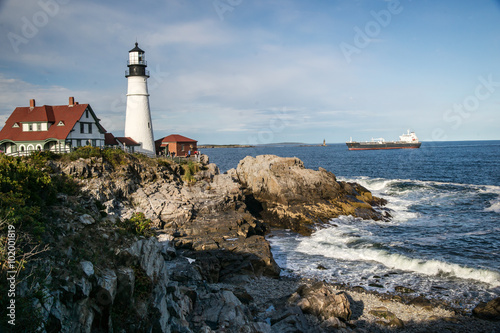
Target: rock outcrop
[[290, 196], [208, 244]]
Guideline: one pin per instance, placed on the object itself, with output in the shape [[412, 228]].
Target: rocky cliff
[[101, 275]]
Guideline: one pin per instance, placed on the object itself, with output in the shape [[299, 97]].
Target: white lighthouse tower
[[138, 124]]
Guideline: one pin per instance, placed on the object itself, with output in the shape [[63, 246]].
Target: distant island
[[298, 144], [224, 146]]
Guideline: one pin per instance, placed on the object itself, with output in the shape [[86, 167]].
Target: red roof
[[66, 114], [110, 140], [176, 138], [127, 141]]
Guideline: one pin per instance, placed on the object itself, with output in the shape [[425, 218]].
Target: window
[[94, 143], [149, 125], [78, 143], [90, 128], [86, 113], [38, 127], [82, 128], [133, 57], [30, 127], [182, 147]]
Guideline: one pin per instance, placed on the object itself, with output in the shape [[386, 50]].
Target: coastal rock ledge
[[287, 195]]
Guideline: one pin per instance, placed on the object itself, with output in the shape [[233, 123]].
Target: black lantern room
[[136, 63]]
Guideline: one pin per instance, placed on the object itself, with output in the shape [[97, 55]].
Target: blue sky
[[249, 72]]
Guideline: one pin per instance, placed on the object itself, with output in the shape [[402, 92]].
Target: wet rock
[[404, 290], [382, 312], [489, 310], [359, 289], [376, 285], [421, 302]]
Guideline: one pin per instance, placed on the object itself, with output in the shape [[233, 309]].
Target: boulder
[[322, 301], [86, 219]]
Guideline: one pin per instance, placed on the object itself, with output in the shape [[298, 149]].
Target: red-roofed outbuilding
[[57, 128], [178, 144], [125, 143]]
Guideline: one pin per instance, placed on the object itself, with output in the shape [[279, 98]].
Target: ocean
[[443, 241]]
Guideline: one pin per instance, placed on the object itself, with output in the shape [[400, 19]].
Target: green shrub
[[24, 191], [138, 225]]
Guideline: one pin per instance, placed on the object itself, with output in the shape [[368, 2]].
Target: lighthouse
[[138, 124]]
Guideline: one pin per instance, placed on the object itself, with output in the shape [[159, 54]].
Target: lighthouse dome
[[136, 48]]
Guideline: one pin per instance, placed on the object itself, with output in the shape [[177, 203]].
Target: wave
[[404, 193], [495, 207], [345, 244]]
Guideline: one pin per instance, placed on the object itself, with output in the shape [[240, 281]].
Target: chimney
[[32, 104], [71, 101]]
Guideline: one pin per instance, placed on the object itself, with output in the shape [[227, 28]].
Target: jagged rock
[[167, 246], [87, 267], [298, 198], [83, 288], [204, 159], [489, 311], [125, 284], [107, 280], [209, 173], [221, 311], [289, 319]]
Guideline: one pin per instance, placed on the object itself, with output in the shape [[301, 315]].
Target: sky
[[264, 71]]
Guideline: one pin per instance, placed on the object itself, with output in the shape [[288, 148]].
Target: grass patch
[[189, 169]]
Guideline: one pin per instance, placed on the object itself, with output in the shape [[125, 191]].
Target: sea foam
[[346, 244]]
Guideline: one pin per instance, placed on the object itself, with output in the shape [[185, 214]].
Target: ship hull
[[381, 146]]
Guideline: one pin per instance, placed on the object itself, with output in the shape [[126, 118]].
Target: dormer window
[[60, 123], [16, 125]]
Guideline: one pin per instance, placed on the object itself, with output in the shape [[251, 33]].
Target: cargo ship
[[406, 141]]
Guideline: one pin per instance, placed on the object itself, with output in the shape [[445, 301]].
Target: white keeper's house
[[57, 128]]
